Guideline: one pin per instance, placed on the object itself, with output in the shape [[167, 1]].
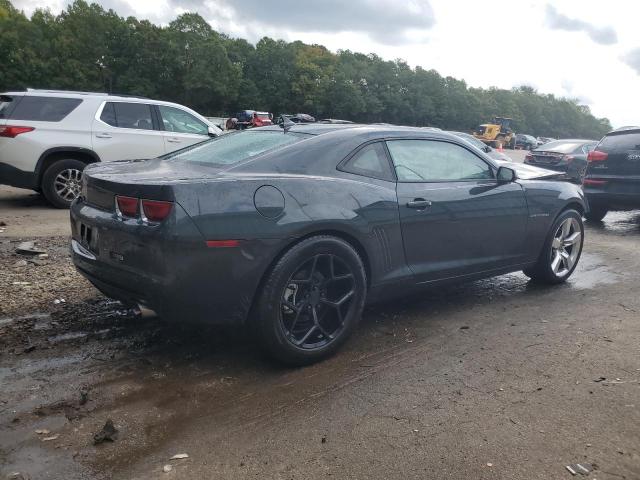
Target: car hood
[[529, 172]]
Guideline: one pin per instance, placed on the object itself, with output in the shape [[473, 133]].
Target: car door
[[180, 128], [126, 130], [456, 218]]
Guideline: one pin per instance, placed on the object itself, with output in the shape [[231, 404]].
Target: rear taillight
[[597, 156], [528, 157], [149, 210], [12, 131], [593, 183], [156, 210], [127, 206]]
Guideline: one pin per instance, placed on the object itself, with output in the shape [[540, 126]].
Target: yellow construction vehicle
[[497, 134]]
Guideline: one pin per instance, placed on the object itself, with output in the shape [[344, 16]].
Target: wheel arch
[[51, 155]]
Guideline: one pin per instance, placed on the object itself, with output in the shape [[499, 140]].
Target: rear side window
[[370, 161], [7, 104], [127, 115], [235, 147], [44, 109], [620, 142]]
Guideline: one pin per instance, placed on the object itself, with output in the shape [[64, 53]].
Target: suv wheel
[[312, 300], [61, 182], [596, 213]]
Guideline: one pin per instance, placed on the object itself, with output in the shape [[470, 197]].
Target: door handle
[[419, 203], [103, 135], [174, 140]]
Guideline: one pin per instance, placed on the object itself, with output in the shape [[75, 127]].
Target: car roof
[[363, 129], [624, 130], [574, 140]]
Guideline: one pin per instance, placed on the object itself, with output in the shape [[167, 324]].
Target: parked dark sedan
[[290, 231], [568, 156], [526, 142]]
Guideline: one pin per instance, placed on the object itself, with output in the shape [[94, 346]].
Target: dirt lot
[[497, 379]]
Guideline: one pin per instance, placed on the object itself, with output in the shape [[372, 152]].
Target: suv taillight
[[12, 131], [597, 156]]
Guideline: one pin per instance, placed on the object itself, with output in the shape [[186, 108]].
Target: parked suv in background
[[612, 181], [47, 137]]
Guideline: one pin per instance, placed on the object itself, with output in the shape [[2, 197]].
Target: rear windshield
[[560, 146], [43, 109], [235, 147], [627, 141]]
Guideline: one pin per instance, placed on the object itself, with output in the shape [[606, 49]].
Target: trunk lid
[[149, 179]]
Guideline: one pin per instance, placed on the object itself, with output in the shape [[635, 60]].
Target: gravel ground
[[497, 379]]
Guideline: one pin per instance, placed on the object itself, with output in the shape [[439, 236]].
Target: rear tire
[[311, 301], [561, 251], [61, 182], [596, 213]]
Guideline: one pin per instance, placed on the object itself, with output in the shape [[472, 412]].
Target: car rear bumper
[[615, 194], [168, 268], [10, 175]]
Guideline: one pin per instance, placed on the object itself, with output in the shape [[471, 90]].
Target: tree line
[[86, 47]]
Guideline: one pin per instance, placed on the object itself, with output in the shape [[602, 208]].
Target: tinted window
[[176, 120], [127, 115], [235, 147], [44, 109], [370, 161], [428, 161], [108, 115], [628, 141], [6, 105]]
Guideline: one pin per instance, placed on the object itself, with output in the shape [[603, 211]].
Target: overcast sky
[[585, 49]]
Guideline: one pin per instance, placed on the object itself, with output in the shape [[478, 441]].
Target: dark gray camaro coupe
[[290, 231]]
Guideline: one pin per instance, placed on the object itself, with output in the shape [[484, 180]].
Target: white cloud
[[584, 53]]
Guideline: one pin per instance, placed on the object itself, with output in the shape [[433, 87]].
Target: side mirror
[[212, 132], [506, 175]]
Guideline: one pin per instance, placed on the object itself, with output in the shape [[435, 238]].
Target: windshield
[[235, 147], [472, 140], [560, 146]]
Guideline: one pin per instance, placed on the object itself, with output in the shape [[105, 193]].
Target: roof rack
[[74, 92], [64, 91]]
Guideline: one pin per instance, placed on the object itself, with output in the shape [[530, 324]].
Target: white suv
[[47, 137]]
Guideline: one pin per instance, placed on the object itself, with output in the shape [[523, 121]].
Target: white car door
[[126, 130], [181, 128]]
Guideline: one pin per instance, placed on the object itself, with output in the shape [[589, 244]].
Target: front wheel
[[312, 300], [61, 182], [561, 250]]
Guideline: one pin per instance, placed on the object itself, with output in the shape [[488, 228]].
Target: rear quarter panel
[[355, 207]]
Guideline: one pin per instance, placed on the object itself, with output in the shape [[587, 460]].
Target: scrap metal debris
[[167, 468], [109, 433], [179, 456], [28, 248], [52, 437], [580, 468]]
